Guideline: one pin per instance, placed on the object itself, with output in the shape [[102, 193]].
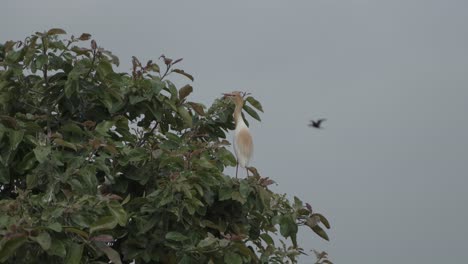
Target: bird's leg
[[247, 170], [237, 168]]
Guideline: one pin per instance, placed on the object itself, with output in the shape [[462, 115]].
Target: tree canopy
[[98, 165]]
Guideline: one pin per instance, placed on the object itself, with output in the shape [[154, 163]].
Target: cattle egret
[[317, 123], [243, 144]]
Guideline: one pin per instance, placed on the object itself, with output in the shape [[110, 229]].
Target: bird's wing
[[321, 120], [244, 145]]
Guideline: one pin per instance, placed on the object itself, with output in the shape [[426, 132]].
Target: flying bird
[[243, 143], [317, 124]]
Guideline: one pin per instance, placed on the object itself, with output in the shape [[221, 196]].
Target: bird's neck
[[238, 115]]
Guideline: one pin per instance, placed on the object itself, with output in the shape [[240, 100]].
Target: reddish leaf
[[182, 72], [89, 124], [114, 197], [167, 61], [102, 238], [197, 107], [84, 36], [185, 91], [56, 31], [176, 61]]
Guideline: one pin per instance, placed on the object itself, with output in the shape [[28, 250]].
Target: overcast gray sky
[[389, 169]]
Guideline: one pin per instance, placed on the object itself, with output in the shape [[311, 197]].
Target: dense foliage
[[97, 165]]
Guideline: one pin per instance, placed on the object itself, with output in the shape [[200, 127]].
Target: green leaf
[[303, 211], [225, 194], [76, 231], [74, 253], [226, 157], [236, 196], [251, 112], [43, 239], [55, 227], [56, 31], [31, 181], [176, 236], [41, 60], [156, 86], [172, 90], [65, 144], [185, 91], [104, 68], [71, 86], [29, 160], [135, 155], [185, 116], [288, 226], [320, 232], [104, 223], [10, 246], [297, 203], [323, 220], [254, 103], [3, 129], [232, 258], [114, 59], [204, 163], [210, 240], [30, 50], [267, 238], [16, 137], [72, 129], [42, 153], [113, 255], [134, 99], [103, 127], [244, 188], [118, 211], [4, 174], [14, 56], [80, 51], [247, 252], [57, 248]]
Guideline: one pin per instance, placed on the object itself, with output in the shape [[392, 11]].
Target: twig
[[143, 140], [44, 70], [36, 92], [92, 65], [66, 48], [35, 107], [167, 71]]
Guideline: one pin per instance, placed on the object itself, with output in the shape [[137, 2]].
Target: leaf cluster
[[98, 165]]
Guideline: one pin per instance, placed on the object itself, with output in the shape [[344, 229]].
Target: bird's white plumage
[[243, 147], [243, 143]]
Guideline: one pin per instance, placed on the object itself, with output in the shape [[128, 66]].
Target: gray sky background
[[390, 168]]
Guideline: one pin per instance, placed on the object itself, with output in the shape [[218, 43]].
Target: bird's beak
[[225, 95]]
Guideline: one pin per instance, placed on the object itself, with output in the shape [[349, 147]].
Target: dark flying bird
[[317, 123]]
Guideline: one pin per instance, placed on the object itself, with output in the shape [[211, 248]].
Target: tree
[[97, 165]]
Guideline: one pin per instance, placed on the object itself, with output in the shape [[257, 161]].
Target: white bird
[[243, 143]]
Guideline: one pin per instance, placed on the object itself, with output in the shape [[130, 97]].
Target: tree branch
[[92, 65], [46, 65], [143, 140], [167, 71]]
